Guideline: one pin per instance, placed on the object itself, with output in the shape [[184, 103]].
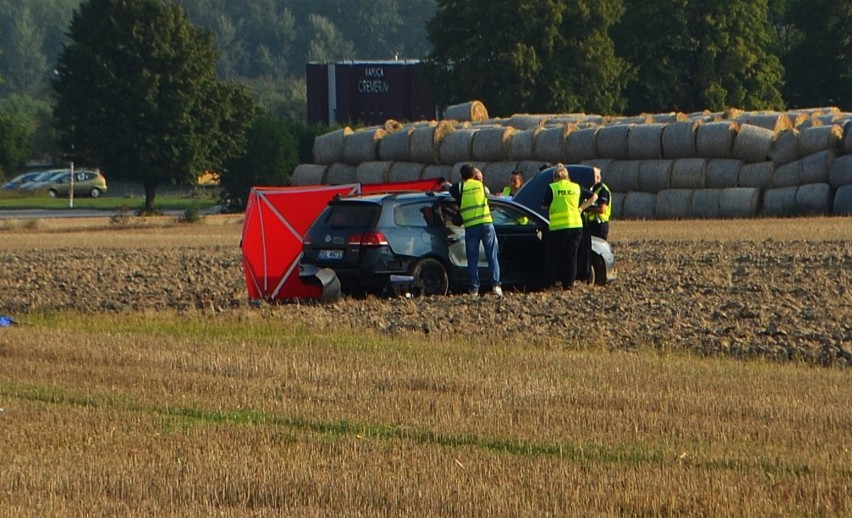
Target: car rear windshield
[[350, 215]]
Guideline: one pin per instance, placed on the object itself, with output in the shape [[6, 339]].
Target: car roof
[[403, 197]]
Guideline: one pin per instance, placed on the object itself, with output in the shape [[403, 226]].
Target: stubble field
[[711, 379]]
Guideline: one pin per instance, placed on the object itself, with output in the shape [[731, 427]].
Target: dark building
[[369, 92]]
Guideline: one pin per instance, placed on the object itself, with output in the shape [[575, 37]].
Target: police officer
[[562, 200], [471, 195], [597, 215], [516, 180]]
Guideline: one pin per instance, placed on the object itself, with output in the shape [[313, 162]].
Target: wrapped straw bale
[[373, 172], [645, 142], [843, 201], [525, 121], [756, 175], [600, 163], [654, 175], [820, 138], [674, 204], [816, 167], [847, 139], [841, 172], [549, 143], [530, 168], [395, 147], [639, 205], [581, 145], [814, 199], [455, 175], [340, 173], [716, 139], [700, 117], [779, 202], [788, 175], [668, 118], [773, 121], [753, 143], [722, 173], [785, 147], [567, 118], [739, 202], [644, 118], [492, 144], [521, 144], [617, 203], [623, 175], [457, 146], [405, 171], [705, 203], [679, 139], [362, 145], [438, 171], [328, 148], [612, 141], [426, 140], [496, 175], [469, 111], [688, 173], [309, 174]]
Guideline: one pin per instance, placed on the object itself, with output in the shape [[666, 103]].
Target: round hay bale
[[612, 142], [674, 204], [340, 173], [600, 163], [772, 121], [549, 143], [705, 203], [785, 147], [525, 121], [373, 172], [492, 144], [469, 111], [678, 139], [425, 141], [814, 199], [716, 139], [639, 205], [457, 146], [395, 147], [688, 173], [847, 139], [581, 145], [405, 171], [623, 175], [819, 138], [617, 203], [521, 144], [841, 171], [530, 168], [328, 148], [655, 175], [668, 118], [815, 167], [645, 142], [779, 202], [496, 175], [455, 175], [753, 143], [788, 175], [739, 202], [756, 175], [309, 174], [843, 201], [722, 173], [362, 145], [437, 172]]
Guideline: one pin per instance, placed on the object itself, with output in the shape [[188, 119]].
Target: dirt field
[[777, 289]]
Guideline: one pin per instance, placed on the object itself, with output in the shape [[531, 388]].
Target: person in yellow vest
[[597, 215], [516, 180], [472, 197], [565, 201]]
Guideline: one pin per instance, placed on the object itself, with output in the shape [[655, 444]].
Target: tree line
[[602, 56]]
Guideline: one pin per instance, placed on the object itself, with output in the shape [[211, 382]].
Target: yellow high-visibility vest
[[474, 204], [565, 207]]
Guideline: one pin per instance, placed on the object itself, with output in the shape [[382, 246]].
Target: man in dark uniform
[[597, 216]]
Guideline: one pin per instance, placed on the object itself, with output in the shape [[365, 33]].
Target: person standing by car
[[516, 180], [566, 226], [471, 195], [597, 216]]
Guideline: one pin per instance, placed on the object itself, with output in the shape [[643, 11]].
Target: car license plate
[[330, 255]]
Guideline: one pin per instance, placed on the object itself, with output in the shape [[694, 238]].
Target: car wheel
[[433, 275], [52, 193], [597, 273], [95, 192]]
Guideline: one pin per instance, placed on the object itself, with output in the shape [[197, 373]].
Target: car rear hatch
[[342, 233]]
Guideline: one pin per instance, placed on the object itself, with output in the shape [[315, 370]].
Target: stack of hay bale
[[731, 164]]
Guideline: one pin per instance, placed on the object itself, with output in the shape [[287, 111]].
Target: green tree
[[819, 64], [692, 56], [526, 55], [327, 44], [14, 142], [137, 92]]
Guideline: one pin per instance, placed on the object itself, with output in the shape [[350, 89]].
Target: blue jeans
[[488, 237]]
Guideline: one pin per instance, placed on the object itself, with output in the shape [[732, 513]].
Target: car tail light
[[368, 239], [307, 240]]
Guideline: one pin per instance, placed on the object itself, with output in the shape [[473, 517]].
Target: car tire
[[433, 275], [597, 273], [95, 192], [52, 193]]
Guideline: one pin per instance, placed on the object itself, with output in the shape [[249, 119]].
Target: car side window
[[414, 215], [509, 216]]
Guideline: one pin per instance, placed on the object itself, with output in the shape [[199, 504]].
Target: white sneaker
[[498, 291]]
